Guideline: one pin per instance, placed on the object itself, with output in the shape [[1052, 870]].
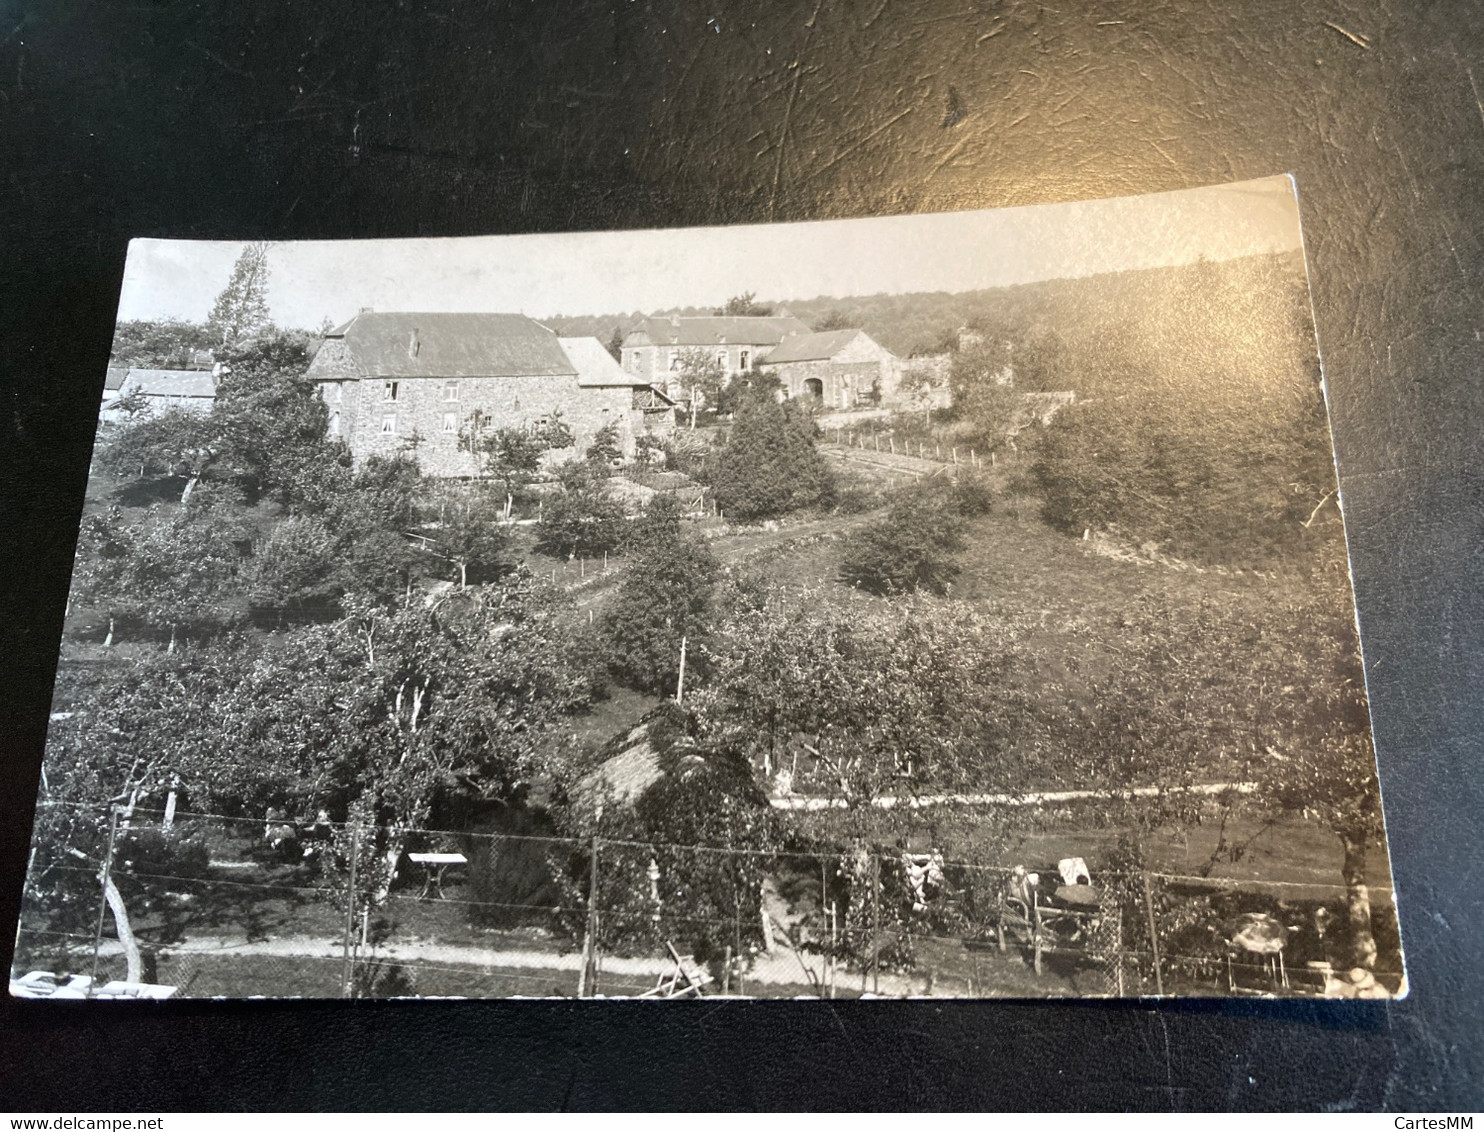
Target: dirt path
[[783, 966]]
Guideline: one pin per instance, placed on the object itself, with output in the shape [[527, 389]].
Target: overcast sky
[[614, 272]]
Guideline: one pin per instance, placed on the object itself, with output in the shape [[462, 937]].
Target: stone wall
[[426, 415]]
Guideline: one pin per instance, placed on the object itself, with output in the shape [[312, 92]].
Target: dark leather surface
[[325, 118]]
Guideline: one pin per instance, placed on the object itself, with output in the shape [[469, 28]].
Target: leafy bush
[[970, 496], [913, 547], [294, 568]]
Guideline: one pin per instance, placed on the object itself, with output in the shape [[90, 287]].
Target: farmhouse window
[[450, 422], [450, 390], [389, 426], [744, 358], [389, 391]]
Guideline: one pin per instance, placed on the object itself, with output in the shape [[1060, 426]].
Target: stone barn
[[841, 369], [400, 381]]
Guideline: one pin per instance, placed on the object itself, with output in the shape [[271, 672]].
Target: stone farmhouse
[[654, 352], [841, 369], [400, 381]]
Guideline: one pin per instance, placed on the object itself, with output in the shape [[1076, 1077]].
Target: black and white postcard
[[947, 605]]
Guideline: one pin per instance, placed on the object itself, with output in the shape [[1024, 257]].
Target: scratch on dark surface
[[1362, 41], [217, 59], [1407, 169], [1161, 151], [876, 15], [1164, 1032], [855, 145], [788, 110], [947, 157], [1457, 259], [1475, 88], [989, 35], [788, 113]]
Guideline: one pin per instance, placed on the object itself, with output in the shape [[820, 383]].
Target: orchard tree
[[293, 570], [769, 465], [701, 375], [120, 741], [857, 706], [583, 517], [471, 537], [513, 455], [1265, 694], [168, 572], [386, 711], [176, 442], [241, 309], [665, 599], [265, 432]]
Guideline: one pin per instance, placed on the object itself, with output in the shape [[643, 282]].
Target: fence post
[[104, 876], [1159, 981], [348, 974], [587, 976], [875, 923]]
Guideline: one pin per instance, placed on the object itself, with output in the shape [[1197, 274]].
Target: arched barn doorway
[[813, 387]]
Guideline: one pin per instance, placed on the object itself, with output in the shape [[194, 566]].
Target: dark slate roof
[[810, 347], [451, 345], [718, 329]]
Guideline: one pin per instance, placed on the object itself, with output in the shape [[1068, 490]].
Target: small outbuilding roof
[[817, 347], [442, 344], [625, 776], [170, 383], [595, 365], [717, 330], [114, 380]]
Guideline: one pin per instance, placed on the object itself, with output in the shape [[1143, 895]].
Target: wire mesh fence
[[209, 905]]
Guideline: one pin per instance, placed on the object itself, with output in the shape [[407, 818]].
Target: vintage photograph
[[942, 605]]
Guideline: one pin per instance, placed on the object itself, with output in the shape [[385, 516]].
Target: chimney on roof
[[413, 345], [366, 310]]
